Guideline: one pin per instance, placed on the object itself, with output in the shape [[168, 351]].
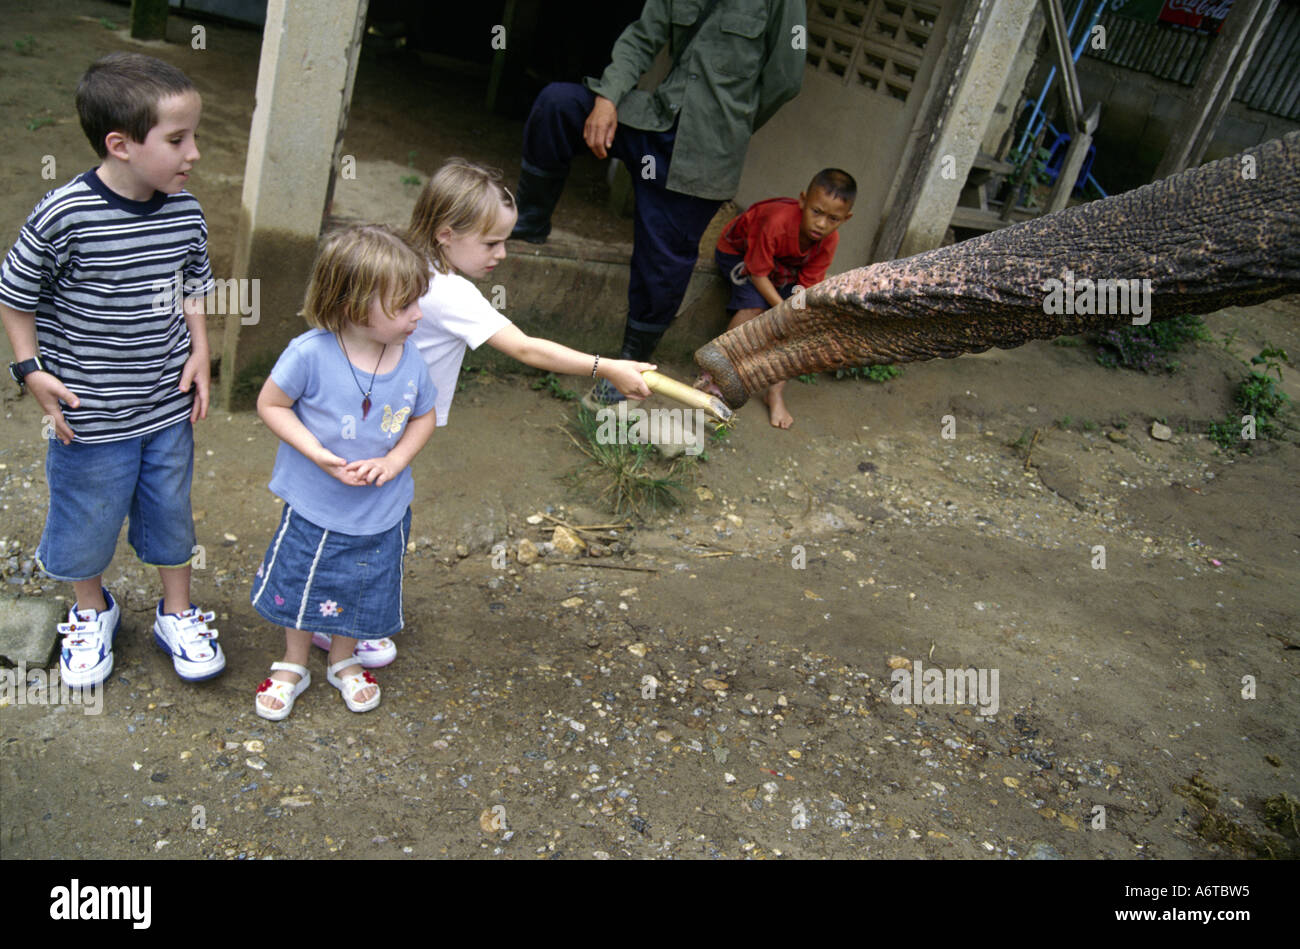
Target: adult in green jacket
[[734, 63]]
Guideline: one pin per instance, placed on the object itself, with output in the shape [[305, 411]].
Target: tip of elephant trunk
[[721, 374]]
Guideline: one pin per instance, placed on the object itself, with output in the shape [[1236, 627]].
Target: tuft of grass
[[410, 179], [632, 478], [26, 46], [106, 23], [551, 384], [870, 373], [1149, 348], [808, 378], [34, 124]]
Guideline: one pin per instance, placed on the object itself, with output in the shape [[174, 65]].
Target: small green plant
[[1230, 343], [1030, 171], [632, 476], [1068, 341], [1259, 397], [26, 46], [34, 124], [1148, 348], [551, 384], [1063, 422], [808, 378], [870, 373], [106, 23], [1089, 425], [410, 163]]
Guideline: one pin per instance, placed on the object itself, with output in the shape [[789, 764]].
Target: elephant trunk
[[1224, 234]]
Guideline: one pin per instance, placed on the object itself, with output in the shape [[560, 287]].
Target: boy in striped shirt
[[117, 361]]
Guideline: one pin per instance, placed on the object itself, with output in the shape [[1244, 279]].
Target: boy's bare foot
[[777, 412]]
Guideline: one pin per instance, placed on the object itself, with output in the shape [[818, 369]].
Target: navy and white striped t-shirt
[[106, 276]]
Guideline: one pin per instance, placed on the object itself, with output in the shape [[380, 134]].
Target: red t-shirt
[[767, 236]]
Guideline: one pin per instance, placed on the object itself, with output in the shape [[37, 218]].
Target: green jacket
[[743, 64]]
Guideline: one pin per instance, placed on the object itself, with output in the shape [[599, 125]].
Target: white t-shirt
[[455, 315]]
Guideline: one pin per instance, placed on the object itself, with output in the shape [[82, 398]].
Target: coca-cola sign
[[1204, 15], [1214, 9]]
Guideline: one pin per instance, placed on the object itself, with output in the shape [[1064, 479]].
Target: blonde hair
[[461, 195], [357, 265]]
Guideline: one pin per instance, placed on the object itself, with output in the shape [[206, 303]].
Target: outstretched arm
[[623, 374]]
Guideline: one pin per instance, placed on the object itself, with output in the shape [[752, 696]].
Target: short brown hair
[[121, 92], [461, 195], [357, 265]]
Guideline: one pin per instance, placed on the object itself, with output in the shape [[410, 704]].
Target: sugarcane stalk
[[680, 392]]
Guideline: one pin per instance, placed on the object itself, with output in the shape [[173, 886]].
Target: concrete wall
[[1138, 115], [836, 122]]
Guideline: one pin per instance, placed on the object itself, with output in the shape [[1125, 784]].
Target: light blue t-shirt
[[315, 374]]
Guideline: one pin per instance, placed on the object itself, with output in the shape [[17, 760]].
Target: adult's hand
[[598, 133]]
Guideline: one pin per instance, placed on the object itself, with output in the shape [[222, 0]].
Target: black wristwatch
[[20, 370]]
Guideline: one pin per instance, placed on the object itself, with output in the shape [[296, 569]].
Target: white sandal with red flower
[[281, 691], [349, 686]]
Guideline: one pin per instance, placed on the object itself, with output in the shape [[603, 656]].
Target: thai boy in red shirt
[[778, 245]]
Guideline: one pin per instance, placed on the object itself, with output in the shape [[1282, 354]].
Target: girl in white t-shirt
[[460, 223]]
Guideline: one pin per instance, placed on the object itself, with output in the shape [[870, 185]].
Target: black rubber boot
[[639, 344], [535, 200]]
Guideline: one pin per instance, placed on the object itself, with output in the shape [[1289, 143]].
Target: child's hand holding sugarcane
[[625, 376]]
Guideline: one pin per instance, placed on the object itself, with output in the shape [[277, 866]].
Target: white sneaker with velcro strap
[[193, 646], [86, 656]]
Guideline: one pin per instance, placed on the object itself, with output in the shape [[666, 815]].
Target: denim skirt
[[323, 581]]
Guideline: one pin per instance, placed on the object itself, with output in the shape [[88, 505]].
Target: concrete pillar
[[982, 51], [304, 90], [1230, 54]]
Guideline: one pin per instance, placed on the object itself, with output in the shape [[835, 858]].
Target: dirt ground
[[518, 720]]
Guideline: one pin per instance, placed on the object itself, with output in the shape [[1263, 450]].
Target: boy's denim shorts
[[744, 295], [93, 487]]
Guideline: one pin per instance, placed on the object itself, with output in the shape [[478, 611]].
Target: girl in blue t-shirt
[[352, 404]]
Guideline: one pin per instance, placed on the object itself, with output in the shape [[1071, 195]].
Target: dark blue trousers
[[668, 224]]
